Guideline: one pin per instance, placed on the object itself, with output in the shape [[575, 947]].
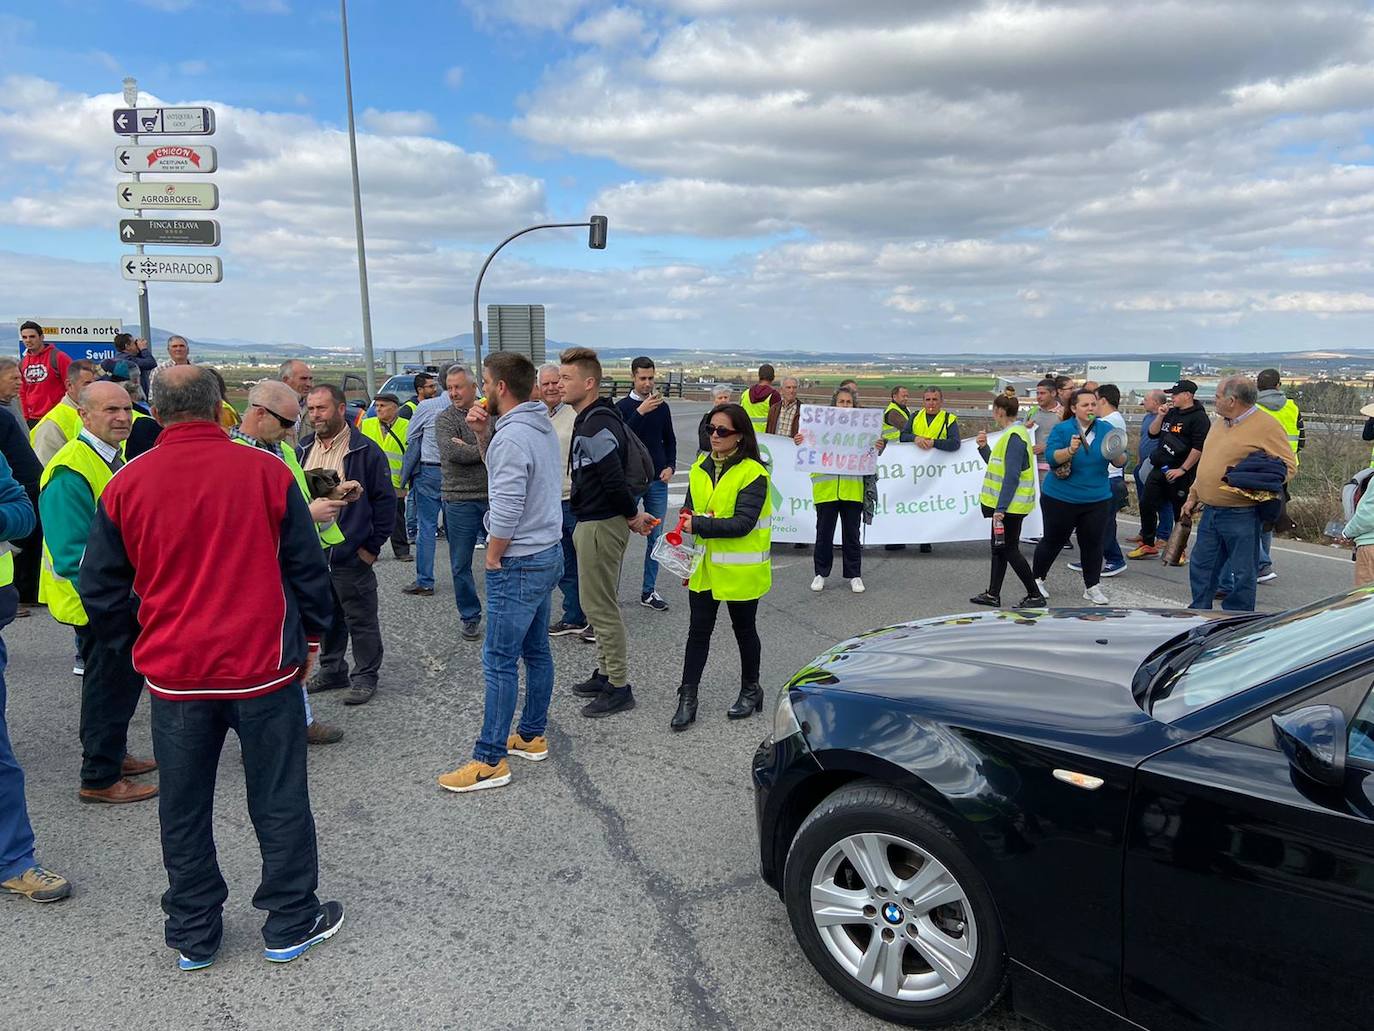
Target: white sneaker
[[1096, 595], [857, 585], [818, 584], [1267, 577], [1044, 591]]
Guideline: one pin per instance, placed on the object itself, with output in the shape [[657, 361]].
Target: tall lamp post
[[596, 240], [369, 373]]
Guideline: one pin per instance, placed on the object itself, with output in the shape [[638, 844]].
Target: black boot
[[686, 713], [750, 701]]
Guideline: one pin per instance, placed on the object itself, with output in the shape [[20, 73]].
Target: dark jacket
[[597, 459], [654, 429], [748, 505], [142, 437], [237, 626], [1258, 471], [367, 522], [14, 445], [1183, 431]]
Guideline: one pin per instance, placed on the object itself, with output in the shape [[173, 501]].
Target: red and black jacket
[[203, 557]]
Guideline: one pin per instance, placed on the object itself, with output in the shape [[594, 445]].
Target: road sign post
[[161, 194], [174, 232], [167, 157], [164, 121]]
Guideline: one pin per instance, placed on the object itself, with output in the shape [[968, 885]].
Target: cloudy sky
[[915, 176]]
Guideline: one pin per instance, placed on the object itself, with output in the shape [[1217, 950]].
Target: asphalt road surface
[[614, 885]]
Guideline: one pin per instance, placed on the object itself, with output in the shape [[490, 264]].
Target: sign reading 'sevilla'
[[187, 196], [167, 157]]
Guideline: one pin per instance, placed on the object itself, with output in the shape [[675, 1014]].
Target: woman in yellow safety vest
[[1008, 496], [839, 498], [728, 511]]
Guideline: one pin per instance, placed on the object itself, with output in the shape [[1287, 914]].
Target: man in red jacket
[[217, 652], [42, 373]]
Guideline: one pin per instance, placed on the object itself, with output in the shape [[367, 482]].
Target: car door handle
[[1079, 780]]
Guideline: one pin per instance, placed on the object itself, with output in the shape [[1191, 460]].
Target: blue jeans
[[572, 607], [464, 521], [412, 525], [1225, 537], [655, 501], [1111, 547], [16, 833], [517, 627], [1166, 512], [1228, 579], [428, 501]]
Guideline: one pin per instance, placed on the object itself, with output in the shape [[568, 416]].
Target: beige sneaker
[[474, 776], [38, 885], [536, 749]]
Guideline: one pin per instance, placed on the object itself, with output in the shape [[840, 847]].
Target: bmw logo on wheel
[[892, 913]]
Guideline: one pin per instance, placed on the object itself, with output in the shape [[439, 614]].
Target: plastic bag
[[681, 560]]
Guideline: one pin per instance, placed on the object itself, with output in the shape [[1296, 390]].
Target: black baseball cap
[[387, 397], [1183, 386]]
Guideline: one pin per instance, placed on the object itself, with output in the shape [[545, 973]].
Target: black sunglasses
[[286, 423], [723, 431]]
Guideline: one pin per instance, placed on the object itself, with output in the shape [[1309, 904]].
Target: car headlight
[[784, 719]]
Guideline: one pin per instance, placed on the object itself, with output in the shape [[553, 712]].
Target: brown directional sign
[[178, 232]]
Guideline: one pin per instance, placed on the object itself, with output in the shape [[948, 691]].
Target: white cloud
[[193, 67], [399, 123], [613, 28], [453, 77]]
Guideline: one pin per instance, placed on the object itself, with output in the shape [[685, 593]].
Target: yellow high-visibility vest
[[932, 429], [330, 534], [59, 593], [65, 416], [825, 487], [1288, 418], [891, 432], [757, 411], [733, 568], [391, 439], [1023, 501]]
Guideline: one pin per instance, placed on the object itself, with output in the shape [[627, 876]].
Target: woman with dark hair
[[838, 498], [1076, 495], [1008, 496], [727, 509]]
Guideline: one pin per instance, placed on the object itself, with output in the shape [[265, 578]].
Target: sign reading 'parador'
[[171, 268]]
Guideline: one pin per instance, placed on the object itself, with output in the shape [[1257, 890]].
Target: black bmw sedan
[[1125, 818]]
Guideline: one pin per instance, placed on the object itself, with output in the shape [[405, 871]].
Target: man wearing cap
[[1181, 427], [387, 430]]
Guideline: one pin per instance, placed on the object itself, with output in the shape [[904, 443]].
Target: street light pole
[[369, 374], [596, 240]]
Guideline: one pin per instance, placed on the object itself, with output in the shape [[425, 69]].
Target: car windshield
[[1264, 649]]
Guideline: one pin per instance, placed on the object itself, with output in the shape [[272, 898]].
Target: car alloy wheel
[[894, 917]]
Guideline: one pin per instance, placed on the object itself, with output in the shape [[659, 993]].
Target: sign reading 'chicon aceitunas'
[[167, 157]]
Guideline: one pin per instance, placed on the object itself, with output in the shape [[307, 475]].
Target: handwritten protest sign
[[839, 440]]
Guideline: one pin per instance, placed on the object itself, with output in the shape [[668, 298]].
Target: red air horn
[[674, 536]]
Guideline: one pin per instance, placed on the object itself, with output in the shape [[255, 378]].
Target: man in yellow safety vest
[[63, 421], [69, 491], [387, 430], [898, 416], [759, 398], [933, 427]]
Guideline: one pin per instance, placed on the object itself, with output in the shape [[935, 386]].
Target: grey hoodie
[[525, 481], [1274, 400]]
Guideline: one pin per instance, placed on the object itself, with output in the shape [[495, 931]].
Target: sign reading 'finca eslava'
[[178, 232]]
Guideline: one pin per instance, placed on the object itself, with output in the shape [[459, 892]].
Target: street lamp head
[[130, 91], [596, 235]]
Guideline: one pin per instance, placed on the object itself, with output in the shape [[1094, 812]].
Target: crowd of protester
[[549, 481]]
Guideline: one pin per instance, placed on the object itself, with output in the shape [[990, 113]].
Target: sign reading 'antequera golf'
[[171, 268], [167, 157], [149, 194], [164, 121], [177, 232]]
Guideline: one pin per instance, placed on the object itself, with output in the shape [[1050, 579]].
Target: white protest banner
[[838, 440], [924, 497]]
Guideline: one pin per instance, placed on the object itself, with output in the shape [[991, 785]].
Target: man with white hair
[[783, 418], [267, 423], [301, 379]]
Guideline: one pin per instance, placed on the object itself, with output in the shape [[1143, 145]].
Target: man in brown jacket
[[1229, 531], [784, 417]]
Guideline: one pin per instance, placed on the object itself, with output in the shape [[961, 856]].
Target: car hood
[[1057, 668]]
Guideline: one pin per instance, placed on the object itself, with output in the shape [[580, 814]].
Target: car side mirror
[[1313, 739]]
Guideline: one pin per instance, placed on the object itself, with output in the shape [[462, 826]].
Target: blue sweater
[[655, 429], [1087, 482]]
